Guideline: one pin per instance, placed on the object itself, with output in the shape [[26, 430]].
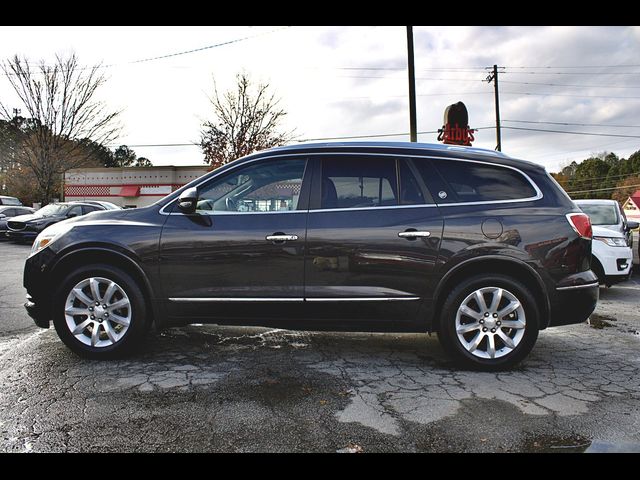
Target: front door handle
[[413, 234], [280, 237]]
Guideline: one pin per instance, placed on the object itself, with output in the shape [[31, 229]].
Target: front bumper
[[615, 261], [38, 285], [574, 299], [40, 316], [21, 235]]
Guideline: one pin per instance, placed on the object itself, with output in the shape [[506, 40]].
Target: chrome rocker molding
[[293, 299]]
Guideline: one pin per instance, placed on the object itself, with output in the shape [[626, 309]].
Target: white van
[[612, 256]]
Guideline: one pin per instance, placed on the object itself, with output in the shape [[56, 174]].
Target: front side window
[[460, 181], [353, 182], [267, 186]]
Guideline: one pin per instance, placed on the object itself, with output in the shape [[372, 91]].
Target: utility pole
[[494, 77], [413, 128]]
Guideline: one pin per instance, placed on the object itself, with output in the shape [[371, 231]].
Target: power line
[[229, 42], [365, 97], [427, 69], [570, 85], [301, 139], [160, 57], [579, 124], [591, 148], [585, 180], [573, 133], [566, 95], [572, 73], [579, 66], [603, 189]]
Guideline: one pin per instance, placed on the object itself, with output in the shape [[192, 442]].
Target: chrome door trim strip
[[577, 287], [359, 299], [234, 299]]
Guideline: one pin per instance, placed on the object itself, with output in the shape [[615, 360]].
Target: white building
[[632, 207], [127, 186]]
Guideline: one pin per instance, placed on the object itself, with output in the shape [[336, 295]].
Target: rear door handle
[[280, 237], [413, 234]]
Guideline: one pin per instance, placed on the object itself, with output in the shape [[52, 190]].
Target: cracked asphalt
[[230, 389]]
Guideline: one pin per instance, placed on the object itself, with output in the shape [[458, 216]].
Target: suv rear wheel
[[99, 312], [489, 322]]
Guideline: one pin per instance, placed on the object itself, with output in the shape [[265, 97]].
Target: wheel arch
[[102, 255], [511, 267]]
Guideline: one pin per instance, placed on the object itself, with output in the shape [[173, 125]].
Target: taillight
[[580, 223]]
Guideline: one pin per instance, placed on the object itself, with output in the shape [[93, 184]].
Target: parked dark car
[[13, 201], [101, 203], [7, 212], [484, 249], [27, 227]]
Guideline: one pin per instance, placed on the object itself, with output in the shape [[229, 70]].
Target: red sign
[[455, 130]]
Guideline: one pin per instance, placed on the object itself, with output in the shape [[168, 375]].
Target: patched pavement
[[208, 388]]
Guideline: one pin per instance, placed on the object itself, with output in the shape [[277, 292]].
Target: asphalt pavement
[[224, 389]]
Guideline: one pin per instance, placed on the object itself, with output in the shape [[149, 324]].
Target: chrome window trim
[[538, 195], [577, 287]]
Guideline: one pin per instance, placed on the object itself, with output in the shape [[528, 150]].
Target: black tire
[[596, 267], [452, 344], [138, 322]]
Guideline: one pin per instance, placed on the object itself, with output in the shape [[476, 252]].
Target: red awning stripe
[[130, 191]]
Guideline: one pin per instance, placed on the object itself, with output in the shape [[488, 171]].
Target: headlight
[[49, 235], [612, 241]]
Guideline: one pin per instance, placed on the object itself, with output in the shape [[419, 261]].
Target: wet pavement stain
[[601, 321], [556, 444]]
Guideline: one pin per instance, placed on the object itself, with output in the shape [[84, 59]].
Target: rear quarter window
[[461, 181]]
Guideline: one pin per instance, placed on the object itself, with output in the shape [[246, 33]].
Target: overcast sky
[[342, 81]]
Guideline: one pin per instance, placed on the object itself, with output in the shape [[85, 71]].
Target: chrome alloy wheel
[[98, 312], [490, 322]]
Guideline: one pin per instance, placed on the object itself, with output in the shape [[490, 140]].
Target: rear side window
[[90, 208], [460, 181], [352, 182]]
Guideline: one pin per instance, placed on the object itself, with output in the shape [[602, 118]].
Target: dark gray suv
[[481, 248]]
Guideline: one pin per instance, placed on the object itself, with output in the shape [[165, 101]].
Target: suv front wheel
[[99, 312], [489, 322]]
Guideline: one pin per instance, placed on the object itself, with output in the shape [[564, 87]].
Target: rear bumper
[[574, 299]]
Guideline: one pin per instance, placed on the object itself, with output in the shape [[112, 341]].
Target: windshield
[[52, 209], [601, 214]]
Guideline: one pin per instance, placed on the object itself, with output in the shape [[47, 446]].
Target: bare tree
[[64, 116], [246, 121]]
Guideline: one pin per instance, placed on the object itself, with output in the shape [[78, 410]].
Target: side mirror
[[71, 215], [631, 225], [2, 215], [188, 200]]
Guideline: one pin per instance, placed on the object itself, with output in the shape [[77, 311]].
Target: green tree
[[123, 157], [143, 162]]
